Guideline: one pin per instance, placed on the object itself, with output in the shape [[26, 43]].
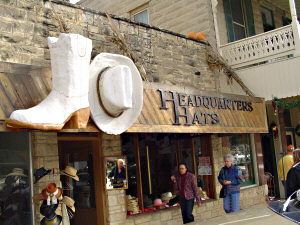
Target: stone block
[[6, 25], [164, 216], [143, 219], [112, 200]]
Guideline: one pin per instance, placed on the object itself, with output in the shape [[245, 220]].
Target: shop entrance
[[83, 153]]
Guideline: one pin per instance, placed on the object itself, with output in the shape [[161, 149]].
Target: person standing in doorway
[[284, 165], [230, 177], [187, 186]]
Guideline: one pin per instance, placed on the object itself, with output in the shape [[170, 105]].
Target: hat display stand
[[132, 205], [203, 194], [52, 195], [167, 196]]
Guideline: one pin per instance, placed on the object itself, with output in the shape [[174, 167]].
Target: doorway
[[270, 163], [84, 154]]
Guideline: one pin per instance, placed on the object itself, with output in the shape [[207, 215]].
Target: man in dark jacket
[[293, 176]]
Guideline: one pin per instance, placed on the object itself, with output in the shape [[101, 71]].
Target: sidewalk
[[257, 214]]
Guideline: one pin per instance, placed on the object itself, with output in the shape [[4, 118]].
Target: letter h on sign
[[174, 99]]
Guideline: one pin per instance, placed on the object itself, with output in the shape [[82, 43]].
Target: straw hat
[[115, 92], [17, 172], [69, 202], [70, 172], [51, 193]]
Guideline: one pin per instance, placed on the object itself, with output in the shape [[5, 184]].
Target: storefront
[[183, 118], [154, 146]]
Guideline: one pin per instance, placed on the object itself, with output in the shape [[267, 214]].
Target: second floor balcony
[[260, 49]]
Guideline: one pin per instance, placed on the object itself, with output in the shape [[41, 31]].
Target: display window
[[154, 158], [15, 183], [241, 149]]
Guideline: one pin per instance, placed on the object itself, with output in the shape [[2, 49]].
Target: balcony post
[[296, 27]]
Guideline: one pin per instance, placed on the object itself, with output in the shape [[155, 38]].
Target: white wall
[[278, 79]]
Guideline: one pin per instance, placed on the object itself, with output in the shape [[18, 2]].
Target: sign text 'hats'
[[115, 92]]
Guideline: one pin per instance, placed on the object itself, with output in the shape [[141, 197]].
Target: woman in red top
[[186, 184]]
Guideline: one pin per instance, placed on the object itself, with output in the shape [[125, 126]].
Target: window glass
[[15, 188], [159, 157], [237, 12], [240, 148], [158, 160], [128, 150], [267, 17], [141, 17], [187, 153], [204, 169], [239, 31]]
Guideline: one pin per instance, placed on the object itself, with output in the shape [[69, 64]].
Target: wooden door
[[84, 154]]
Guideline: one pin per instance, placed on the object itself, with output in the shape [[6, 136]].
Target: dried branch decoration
[[62, 26], [120, 40], [216, 61]]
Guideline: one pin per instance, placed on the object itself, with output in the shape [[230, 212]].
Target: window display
[[155, 158], [240, 148], [15, 186]]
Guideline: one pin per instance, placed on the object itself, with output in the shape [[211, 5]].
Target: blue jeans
[[187, 210], [231, 202]]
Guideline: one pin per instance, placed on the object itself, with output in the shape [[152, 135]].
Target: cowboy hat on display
[[39, 173], [51, 193], [17, 172], [70, 172], [115, 92], [69, 202]]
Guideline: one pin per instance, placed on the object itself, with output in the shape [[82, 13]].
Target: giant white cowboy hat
[[115, 92]]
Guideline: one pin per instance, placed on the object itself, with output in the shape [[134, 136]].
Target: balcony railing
[[260, 48]]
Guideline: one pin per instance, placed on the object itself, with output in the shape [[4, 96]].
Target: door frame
[[98, 164]]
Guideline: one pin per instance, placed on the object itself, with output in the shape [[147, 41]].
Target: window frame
[[140, 9], [248, 18]]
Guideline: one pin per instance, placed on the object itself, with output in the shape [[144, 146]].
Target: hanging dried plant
[[62, 26], [216, 61]]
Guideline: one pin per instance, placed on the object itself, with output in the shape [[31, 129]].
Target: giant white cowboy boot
[[68, 99]]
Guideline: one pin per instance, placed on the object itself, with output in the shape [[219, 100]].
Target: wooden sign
[[174, 109]]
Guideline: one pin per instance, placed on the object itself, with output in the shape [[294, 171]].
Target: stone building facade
[[168, 58]]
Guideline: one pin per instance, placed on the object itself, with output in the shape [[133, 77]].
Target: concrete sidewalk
[[257, 214]]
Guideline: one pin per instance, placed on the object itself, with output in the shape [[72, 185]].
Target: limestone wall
[[167, 57], [44, 154]]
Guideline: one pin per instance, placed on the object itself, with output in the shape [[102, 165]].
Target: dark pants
[[284, 185], [187, 209]]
